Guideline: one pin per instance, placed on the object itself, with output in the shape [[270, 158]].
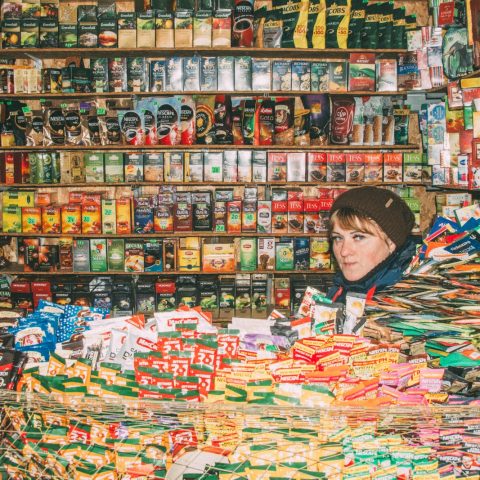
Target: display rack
[[268, 53]]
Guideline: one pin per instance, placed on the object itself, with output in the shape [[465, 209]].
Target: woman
[[370, 231]]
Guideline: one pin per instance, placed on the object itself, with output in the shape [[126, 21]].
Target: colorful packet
[[337, 21]]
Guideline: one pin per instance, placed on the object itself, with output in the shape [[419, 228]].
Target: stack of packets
[[12, 361], [434, 312], [93, 416], [100, 439], [180, 355]]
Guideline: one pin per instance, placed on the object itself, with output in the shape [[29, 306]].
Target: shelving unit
[[151, 53], [26, 186]]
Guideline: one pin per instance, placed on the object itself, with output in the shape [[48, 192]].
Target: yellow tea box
[[72, 218], [12, 219], [91, 218], [109, 216], [218, 257], [51, 219], [124, 217], [18, 199], [31, 220], [319, 254], [189, 254]]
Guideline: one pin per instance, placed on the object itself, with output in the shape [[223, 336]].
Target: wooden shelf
[[153, 148], [32, 186], [148, 236], [160, 274], [163, 52], [270, 93], [453, 187]]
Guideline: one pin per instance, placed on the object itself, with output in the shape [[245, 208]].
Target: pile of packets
[[94, 439], [376, 367]]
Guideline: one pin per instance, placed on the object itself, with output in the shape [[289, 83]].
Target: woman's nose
[[346, 248]]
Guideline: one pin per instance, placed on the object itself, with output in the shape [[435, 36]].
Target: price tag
[[101, 111]]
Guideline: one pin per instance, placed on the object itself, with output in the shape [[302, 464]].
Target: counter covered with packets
[[109, 439], [387, 389]]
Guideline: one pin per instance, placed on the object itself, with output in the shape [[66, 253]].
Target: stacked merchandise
[[450, 126], [12, 360], [451, 133], [209, 120], [367, 73], [102, 439], [222, 23], [227, 166], [425, 354], [224, 296]]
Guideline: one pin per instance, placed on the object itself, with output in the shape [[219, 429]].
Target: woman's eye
[[358, 237], [335, 239]]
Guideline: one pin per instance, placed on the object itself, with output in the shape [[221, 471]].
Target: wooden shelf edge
[[153, 148], [32, 186], [149, 236], [253, 272], [159, 51], [270, 93]]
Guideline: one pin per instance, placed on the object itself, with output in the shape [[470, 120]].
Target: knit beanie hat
[[383, 206]]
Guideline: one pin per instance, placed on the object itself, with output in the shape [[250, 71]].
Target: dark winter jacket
[[383, 275]]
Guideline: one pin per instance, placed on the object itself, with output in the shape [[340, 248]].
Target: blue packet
[[37, 353], [35, 332], [469, 244]]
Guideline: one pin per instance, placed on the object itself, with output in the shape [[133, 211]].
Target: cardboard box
[[72, 218], [116, 254], [98, 255], [134, 256], [266, 253], [234, 220], [355, 168], [218, 257], [92, 219], [124, 217], [114, 167], [153, 253], [109, 216], [81, 255], [189, 254], [31, 220]]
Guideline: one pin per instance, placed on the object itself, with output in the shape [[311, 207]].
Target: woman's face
[[358, 251]]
